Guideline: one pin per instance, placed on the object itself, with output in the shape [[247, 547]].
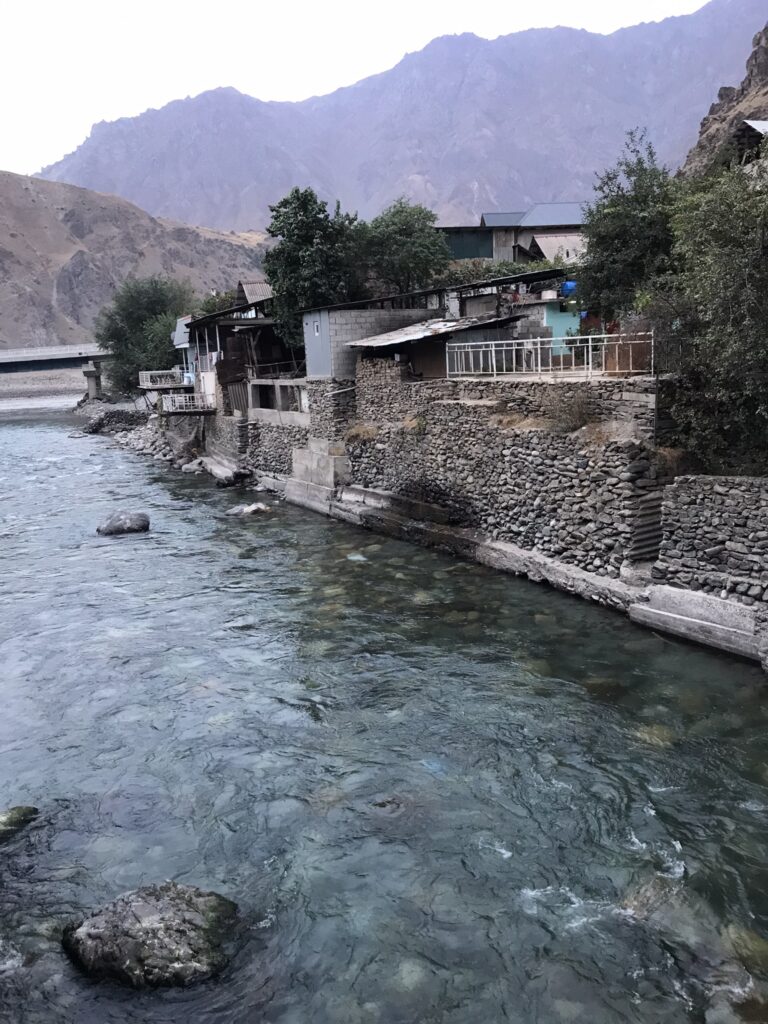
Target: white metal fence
[[173, 378], [612, 355], [187, 403]]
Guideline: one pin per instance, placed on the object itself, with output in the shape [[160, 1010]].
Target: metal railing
[[173, 378], [196, 403], [609, 355]]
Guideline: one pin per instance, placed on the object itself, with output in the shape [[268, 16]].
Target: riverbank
[[37, 384]]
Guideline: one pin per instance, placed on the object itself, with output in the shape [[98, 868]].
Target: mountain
[[749, 101], [464, 125], [64, 250]]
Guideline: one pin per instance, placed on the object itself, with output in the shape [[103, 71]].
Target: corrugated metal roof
[[256, 291], [429, 329], [567, 246], [759, 126]]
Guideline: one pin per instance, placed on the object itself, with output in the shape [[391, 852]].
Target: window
[[317, 328]]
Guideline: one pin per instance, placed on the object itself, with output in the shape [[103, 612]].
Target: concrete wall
[[715, 537], [482, 451], [327, 332]]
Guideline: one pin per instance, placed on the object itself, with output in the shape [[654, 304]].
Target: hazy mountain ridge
[[64, 250], [464, 125]]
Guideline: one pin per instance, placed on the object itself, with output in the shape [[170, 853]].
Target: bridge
[[49, 358]]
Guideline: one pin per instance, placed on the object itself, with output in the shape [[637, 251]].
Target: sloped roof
[[759, 126], [542, 215], [502, 220], [430, 329], [255, 290], [546, 215]]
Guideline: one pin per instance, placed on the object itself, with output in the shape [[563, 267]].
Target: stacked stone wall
[[467, 447], [382, 383], [331, 406], [715, 536], [225, 435], [269, 447]]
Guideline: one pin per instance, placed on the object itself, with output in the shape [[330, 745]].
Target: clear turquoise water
[[433, 790]]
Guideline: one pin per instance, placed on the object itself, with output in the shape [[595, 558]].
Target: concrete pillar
[[92, 374]]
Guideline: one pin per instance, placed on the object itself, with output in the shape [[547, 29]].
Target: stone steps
[[705, 619]]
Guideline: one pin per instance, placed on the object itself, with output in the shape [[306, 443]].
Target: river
[[435, 791]]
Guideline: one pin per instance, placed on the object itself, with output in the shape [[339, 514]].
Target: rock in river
[[124, 522], [165, 934], [14, 819]]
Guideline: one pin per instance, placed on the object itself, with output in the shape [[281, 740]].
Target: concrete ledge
[[412, 508], [309, 495], [705, 619]]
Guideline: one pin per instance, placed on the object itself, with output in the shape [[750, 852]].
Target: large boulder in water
[[124, 522], [14, 819], [158, 935]]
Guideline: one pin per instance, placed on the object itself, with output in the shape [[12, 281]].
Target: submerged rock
[[124, 522], [247, 510], [14, 819], [158, 935]]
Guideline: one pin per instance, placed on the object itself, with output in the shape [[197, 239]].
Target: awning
[[430, 329], [568, 247]]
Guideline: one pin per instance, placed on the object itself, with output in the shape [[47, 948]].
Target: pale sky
[[67, 64]]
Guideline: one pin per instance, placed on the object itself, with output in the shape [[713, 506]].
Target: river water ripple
[[434, 791]]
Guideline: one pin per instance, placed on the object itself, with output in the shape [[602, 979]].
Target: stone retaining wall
[[331, 406], [483, 451], [715, 536], [383, 383], [269, 447]]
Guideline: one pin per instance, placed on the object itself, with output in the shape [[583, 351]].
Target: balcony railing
[[155, 380], [195, 404], [266, 371], [609, 355]]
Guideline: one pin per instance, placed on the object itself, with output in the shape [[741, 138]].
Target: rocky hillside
[[464, 125], [749, 101], [64, 250]]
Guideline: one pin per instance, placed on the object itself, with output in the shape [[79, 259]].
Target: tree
[[404, 250], [215, 302], [720, 226], [628, 230], [135, 328], [318, 260]]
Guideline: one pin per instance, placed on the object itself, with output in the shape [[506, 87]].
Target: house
[[417, 327], [545, 231], [231, 360]]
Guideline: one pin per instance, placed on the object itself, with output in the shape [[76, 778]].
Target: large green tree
[[720, 226], [135, 328], [628, 230], [404, 250], [317, 261]]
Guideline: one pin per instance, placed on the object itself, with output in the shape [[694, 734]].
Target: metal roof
[[526, 277], [430, 329], [542, 215], [257, 290], [759, 126], [501, 220]]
